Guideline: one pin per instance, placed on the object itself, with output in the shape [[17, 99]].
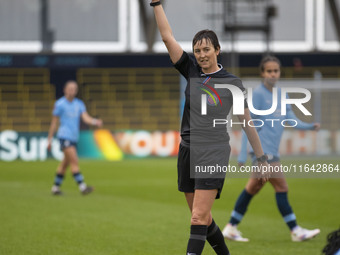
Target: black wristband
[[153, 4], [263, 158]]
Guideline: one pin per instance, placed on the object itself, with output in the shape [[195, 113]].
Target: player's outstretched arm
[[53, 127], [91, 121], [300, 124], [174, 49], [316, 126]]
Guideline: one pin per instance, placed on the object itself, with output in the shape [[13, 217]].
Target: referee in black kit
[[201, 144]]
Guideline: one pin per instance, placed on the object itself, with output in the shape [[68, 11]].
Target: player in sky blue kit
[[270, 135], [68, 110]]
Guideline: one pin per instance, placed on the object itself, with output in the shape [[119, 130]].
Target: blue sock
[[78, 177], [58, 179], [285, 209], [240, 207]]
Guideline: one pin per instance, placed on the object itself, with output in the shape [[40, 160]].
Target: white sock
[[82, 186], [55, 188], [296, 228]]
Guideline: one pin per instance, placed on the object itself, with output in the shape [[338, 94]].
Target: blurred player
[[68, 110], [200, 193], [270, 139]]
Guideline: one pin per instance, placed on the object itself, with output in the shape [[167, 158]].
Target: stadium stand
[[134, 98], [125, 98], [26, 99]]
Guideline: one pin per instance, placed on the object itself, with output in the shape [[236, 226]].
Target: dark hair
[[268, 58], [209, 35], [333, 244], [70, 81]]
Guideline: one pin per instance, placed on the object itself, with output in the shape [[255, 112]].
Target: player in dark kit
[[198, 146]]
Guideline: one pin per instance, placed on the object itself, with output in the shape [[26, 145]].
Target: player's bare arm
[[174, 49], [53, 127], [254, 139], [91, 121], [251, 134]]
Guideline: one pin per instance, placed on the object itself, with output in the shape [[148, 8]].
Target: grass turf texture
[[136, 209]]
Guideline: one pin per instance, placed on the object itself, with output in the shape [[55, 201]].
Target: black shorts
[[64, 143], [187, 183]]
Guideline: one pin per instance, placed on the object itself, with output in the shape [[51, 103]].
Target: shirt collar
[[207, 74], [264, 87]]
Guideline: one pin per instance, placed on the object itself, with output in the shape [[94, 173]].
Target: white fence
[[115, 26]]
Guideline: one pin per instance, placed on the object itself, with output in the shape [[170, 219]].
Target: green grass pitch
[[136, 209]]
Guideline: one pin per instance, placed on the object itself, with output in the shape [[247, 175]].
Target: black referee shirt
[[188, 67]]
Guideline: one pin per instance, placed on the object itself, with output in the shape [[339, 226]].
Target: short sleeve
[[237, 82], [257, 102], [183, 65], [57, 110], [245, 93], [82, 107], [245, 103], [288, 106]]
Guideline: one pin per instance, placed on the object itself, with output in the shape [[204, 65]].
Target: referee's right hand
[[264, 172]]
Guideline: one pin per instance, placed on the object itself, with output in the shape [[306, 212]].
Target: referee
[[200, 193]]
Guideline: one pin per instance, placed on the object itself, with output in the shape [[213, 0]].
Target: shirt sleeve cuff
[[182, 59]]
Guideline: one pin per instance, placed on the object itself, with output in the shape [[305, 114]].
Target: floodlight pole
[[149, 25], [336, 17], [46, 34], [232, 27], [230, 19]]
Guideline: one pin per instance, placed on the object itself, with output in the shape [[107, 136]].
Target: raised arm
[[174, 49], [91, 121]]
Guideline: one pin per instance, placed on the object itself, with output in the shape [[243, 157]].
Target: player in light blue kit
[[270, 135], [68, 110]]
